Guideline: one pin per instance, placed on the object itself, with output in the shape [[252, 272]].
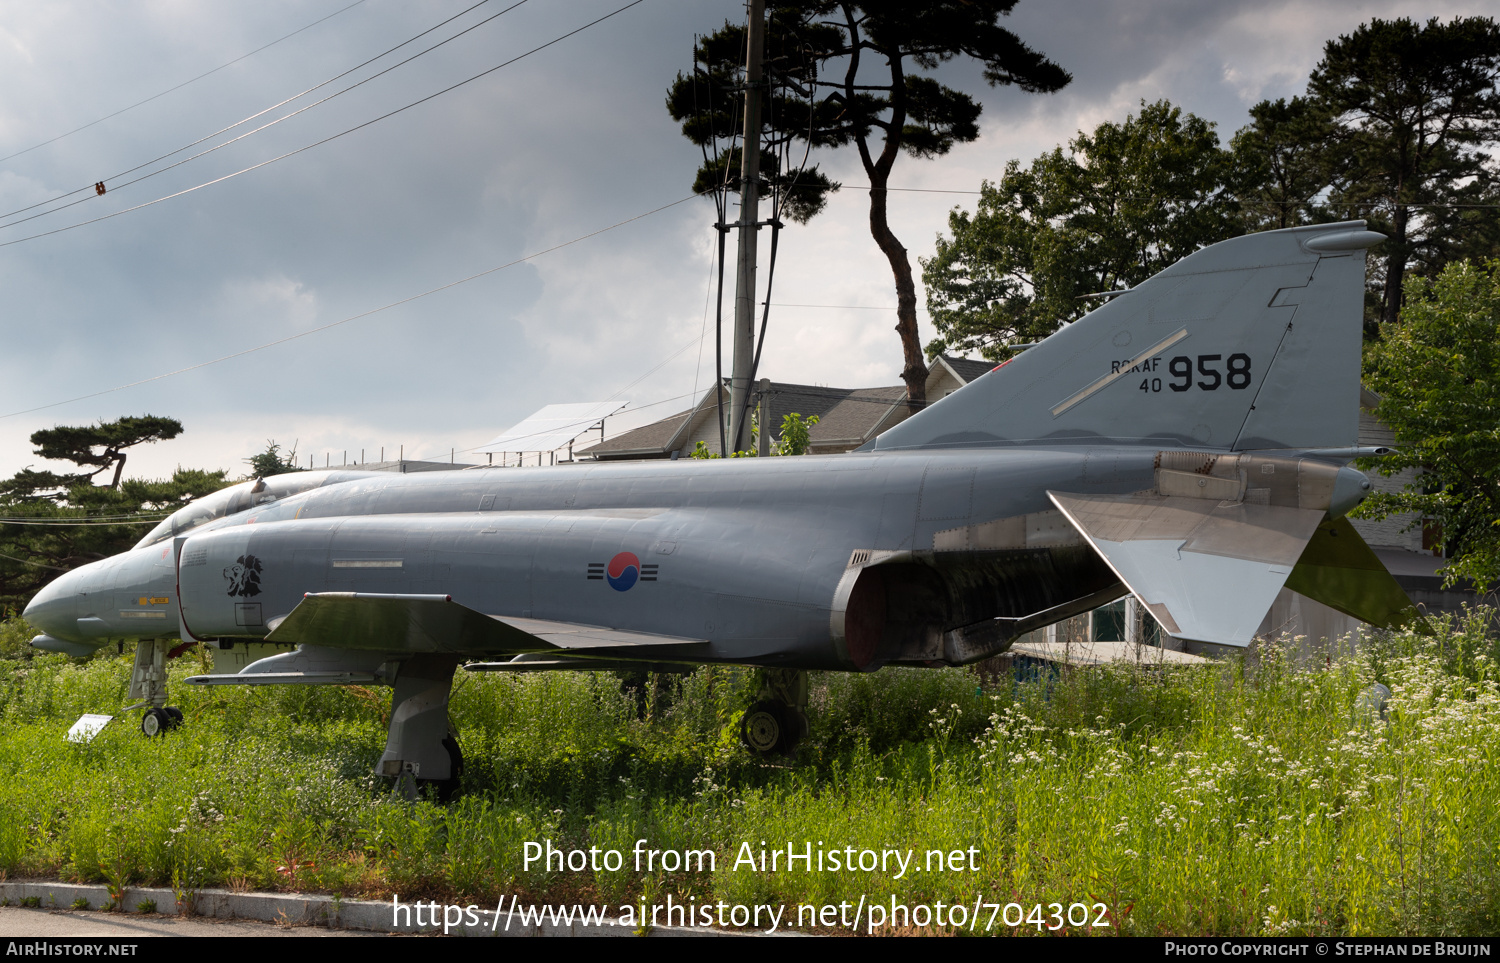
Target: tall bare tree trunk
[[914, 373], [1395, 268]]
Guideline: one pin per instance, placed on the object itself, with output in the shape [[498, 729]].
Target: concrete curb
[[294, 909]]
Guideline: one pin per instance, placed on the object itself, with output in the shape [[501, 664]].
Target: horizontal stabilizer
[[1338, 569], [1205, 569], [436, 623]]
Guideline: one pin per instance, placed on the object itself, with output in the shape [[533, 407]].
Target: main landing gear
[[420, 750], [148, 684], [778, 720]]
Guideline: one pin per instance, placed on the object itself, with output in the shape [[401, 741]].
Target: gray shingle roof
[[967, 368], [846, 416], [648, 438]]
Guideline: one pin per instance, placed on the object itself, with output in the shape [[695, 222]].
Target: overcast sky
[[564, 143]]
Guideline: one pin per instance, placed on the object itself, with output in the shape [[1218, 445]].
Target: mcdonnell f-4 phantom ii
[[1188, 441]]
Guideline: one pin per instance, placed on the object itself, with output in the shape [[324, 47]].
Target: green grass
[[1239, 798]]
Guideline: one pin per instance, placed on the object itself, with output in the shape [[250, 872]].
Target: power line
[[655, 368], [181, 85], [848, 307], [87, 520], [534, 434], [92, 191], [253, 167], [1156, 197], [354, 317], [34, 564]]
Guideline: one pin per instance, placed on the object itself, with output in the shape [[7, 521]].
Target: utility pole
[[744, 280]]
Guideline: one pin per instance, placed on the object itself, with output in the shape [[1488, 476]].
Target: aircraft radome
[[1187, 441]]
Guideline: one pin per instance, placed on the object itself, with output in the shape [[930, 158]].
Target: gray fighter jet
[[1188, 441]]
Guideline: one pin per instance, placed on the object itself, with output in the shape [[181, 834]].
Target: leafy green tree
[[54, 522], [796, 437], [847, 72], [1119, 205], [1438, 376], [1415, 110], [1281, 164], [272, 461]]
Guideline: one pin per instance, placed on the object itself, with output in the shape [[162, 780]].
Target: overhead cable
[[99, 189], [185, 83], [33, 564], [332, 137], [1289, 202], [535, 434], [85, 520]]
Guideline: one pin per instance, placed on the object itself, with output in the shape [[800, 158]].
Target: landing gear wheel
[[763, 728], [155, 722], [174, 717]]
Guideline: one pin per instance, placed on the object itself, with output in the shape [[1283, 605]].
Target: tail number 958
[[1211, 372]]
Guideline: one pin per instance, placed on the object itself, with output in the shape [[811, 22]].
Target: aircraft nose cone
[[54, 609]]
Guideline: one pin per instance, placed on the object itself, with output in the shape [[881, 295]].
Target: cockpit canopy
[[240, 498]]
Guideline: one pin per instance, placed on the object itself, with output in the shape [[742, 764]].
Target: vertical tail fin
[[1247, 344]]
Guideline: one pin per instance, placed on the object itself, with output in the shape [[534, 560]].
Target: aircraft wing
[[1206, 570], [347, 638], [436, 623]]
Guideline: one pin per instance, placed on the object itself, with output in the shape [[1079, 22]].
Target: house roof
[[655, 437], [845, 416], [966, 369]]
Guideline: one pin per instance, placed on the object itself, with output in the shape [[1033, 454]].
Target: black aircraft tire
[[174, 717], [763, 728], [155, 722]]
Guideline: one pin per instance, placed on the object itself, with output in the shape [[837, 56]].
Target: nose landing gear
[[157, 721], [148, 683]]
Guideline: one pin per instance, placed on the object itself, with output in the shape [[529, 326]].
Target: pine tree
[[844, 75]]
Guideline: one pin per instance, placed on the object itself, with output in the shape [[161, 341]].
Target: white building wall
[[1398, 531]]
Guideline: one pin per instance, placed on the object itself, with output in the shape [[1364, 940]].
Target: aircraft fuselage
[[751, 556]]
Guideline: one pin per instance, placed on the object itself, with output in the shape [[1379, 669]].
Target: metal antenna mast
[[744, 280]]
